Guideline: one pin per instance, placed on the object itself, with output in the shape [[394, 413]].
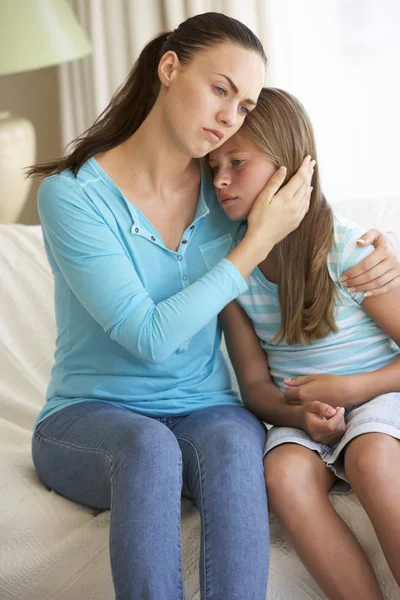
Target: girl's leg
[[222, 451], [298, 483], [372, 464], [104, 456]]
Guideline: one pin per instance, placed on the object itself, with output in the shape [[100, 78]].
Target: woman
[[334, 389], [140, 406]]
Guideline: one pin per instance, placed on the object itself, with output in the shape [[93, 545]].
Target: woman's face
[[240, 172], [207, 100]]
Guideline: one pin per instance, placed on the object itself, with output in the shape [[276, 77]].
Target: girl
[[334, 389]]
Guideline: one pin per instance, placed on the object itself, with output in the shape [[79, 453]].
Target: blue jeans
[[105, 456]]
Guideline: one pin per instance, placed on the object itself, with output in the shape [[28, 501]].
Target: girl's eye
[[220, 90], [213, 170], [244, 110], [237, 162]]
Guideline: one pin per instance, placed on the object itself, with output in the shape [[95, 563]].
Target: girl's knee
[[368, 457], [291, 473]]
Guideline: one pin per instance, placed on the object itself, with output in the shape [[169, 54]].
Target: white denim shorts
[[380, 415]]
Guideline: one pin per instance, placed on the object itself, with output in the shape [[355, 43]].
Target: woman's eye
[[213, 170], [244, 110], [220, 91], [237, 162]]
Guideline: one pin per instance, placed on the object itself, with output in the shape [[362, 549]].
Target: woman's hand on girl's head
[[379, 273], [279, 210]]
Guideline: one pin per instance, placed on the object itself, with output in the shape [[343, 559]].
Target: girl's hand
[[333, 390], [278, 212], [379, 273], [323, 423]]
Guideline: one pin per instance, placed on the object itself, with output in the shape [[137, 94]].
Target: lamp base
[[17, 151]]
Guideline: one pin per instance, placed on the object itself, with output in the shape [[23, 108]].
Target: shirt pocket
[[213, 252]]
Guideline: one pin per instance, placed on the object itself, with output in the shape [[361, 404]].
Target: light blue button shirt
[[137, 323]]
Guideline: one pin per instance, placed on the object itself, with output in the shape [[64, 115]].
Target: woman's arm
[[103, 278], [379, 273]]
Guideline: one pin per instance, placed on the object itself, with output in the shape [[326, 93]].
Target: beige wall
[[34, 95]]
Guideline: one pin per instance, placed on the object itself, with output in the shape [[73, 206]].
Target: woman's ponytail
[[126, 111]]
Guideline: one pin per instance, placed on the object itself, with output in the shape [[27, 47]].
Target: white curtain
[[339, 57]]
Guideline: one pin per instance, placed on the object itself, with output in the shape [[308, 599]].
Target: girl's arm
[[259, 393], [350, 390], [385, 310]]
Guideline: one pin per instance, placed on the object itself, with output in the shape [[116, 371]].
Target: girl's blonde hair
[[281, 129]]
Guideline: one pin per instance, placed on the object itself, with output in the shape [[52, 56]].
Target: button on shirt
[[137, 323]]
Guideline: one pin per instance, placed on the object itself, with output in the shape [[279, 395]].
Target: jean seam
[[81, 449], [203, 520], [180, 571], [62, 443]]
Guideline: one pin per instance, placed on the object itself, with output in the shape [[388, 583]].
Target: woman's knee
[[234, 432], [151, 444]]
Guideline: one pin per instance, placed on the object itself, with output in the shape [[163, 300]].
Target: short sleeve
[[347, 253]]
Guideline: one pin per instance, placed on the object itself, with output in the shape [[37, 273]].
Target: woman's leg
[[104, 456], [298, 483], [222, 451], [372, 464]]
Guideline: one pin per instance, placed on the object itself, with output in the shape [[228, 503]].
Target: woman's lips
[[214, 135]]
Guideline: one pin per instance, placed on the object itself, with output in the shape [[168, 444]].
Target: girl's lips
[[225, 201]]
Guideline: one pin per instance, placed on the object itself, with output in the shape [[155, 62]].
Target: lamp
[[33, 34]]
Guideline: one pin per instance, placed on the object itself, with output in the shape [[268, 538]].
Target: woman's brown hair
[[280, 127], [133, 101]]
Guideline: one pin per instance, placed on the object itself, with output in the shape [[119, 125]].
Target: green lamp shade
[[38, 33]]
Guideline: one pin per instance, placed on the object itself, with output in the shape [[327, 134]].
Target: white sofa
[[54, 549]]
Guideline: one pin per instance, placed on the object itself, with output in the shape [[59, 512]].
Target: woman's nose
[[228, 115]]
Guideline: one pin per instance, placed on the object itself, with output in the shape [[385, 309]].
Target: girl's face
[[240, 172], [207, 100]]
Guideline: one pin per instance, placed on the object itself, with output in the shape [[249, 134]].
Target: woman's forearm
[[366, 386], [249, 253], [266, 401]]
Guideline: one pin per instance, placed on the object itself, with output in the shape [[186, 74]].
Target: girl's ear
[[168, 67]]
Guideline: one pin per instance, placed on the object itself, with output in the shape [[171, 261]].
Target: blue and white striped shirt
[[359, 346]]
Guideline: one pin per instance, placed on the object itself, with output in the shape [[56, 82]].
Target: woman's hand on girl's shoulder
[[379, 273]]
